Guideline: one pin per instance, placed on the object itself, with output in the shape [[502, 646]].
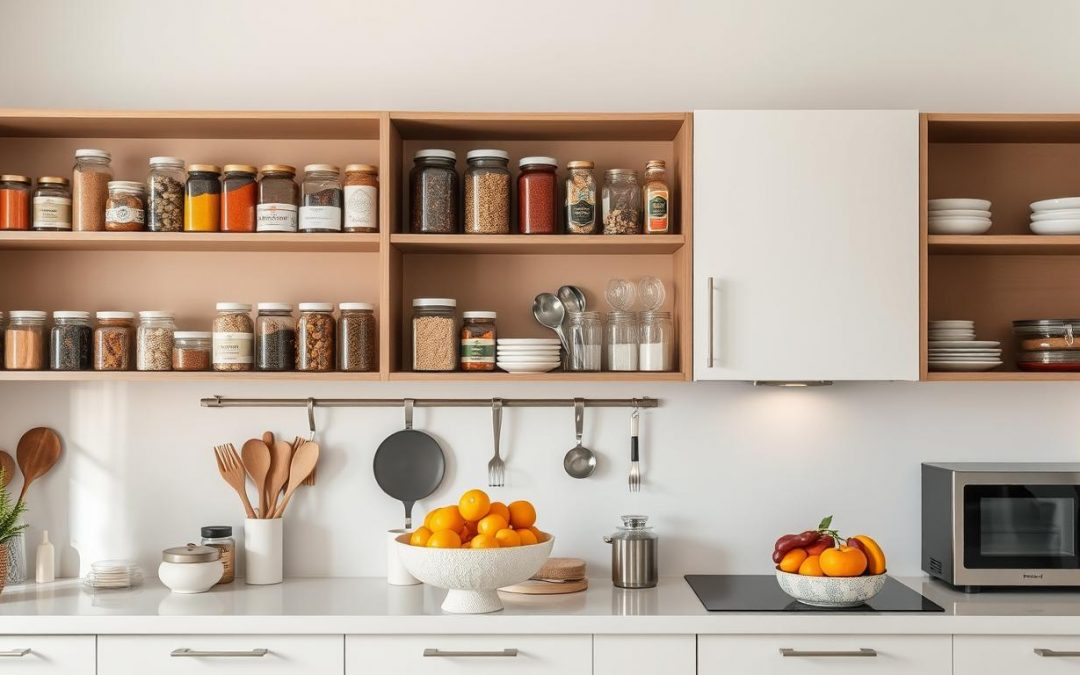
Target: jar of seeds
[[154, 341], [356, 339], [165, 195], [275, 337], [52, 204], [90, 189], [361, 198], [433, 192], [279, 199], [621, 200], [233, 337], [320, 209], [487, 192], [114, 337], [24, 341], [191, 350], [125, 209], [70, 341], [435, 334], [315, 337], [580, 198]]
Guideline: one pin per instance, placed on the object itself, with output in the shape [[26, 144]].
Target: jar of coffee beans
[[435, 334], [154, 341], [357, 341], [165, 195], [487, 192], [191, 350], [315, 337], [320, 208], [125, 209], [275, 337], [114, 337], [233, 336], [71, 341], [433, 192]]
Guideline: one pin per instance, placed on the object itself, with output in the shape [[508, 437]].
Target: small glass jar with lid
[[221, 538], [435, 334], [239, 194], [361, 187], [622, 341], [90, 189], [657, 198], [433, 192], [24, 340], [537, 193], [356, 340], [233, 335], [279, 199], [657, 341], [3, 326], [191, 350], [14, 202], [202, 198], [71, 341], [320, 207], [487, 192], [621, 200], [585, 335], [165, 195], [315, 331], [154, 341], [275, 337], [125, 210], [580, 198], [114, 339], [478, 341], [52, 204]]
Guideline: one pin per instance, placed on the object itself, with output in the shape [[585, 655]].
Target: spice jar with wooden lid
[[239, 197], [361, 198], [315, 337], [125, 209], [202, 203], [478, 341], [14, 202], [90, 189], [52, 204], [114, 337], [24, 341], [279, 199]]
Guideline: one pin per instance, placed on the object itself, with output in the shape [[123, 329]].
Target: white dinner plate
[[527, 367], [1059, 203], [527, 359], [1056, 226], [946, 227], [964, 366], [950, 333], [950, 213], [1056, 214], [957, 358], [958, 220], [963, 344], [527, 350], [528, 341], [964, 352], [951, 323], [958, 203]]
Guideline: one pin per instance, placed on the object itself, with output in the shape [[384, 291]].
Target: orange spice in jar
[[14, 202], [240, 194], [478, 341], [361, 186]]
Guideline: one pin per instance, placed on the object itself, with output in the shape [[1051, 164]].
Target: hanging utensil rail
[[228, 402]]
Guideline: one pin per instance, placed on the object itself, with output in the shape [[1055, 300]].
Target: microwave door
[[1021, 527]]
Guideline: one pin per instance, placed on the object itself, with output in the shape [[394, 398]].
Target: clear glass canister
[[585, 334], [71, 341], [221, 538], [315, 337], [279, 199], [621, 199], [165, 195], [320, 208], [478, 341], [52, 204], [154, 341], [537, 193], [435, 335], [202, 199], [433, 192], [14, 202], [90, 189], [233, 335], [361, 198], [275, 337], [580, 198], [239, 193], [191, 350], [622, 341], [657, 341], [357, 341], [657, 198], [25, 340], [487, 192], [125, 210], [114, 339]]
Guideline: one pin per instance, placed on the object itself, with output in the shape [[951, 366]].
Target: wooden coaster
[[562, 569], [535, 587]]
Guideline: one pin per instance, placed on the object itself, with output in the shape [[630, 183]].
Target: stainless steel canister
[[634, 554]]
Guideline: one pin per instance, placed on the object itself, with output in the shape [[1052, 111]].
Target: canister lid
[[361, 168], [478, 315], [279, 168], [192, 335], [166, 161], [204, 168], [274, 307], [70, 315], [92, 152], [580, 164], [192, 553], [656, 164], [239, 168], [216, 531], [316, 306], [332, 168], [487, 152], [115, 315], [356, 306], [233, 307], [551, 161], [27, 314], [435, 152], [434, 302], [52, 180], [628, 173], [127, 186], [14, 178], [155, 314], [634, 522]]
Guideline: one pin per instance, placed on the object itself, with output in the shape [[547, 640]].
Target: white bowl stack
[[528, 355], [958, 216], [952, 347], [1056, 216]]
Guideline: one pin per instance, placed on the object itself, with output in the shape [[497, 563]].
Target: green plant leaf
[[10, 514], [826, 523]]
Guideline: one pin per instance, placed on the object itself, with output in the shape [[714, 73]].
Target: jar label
[[233, 347], [52, 212], [320, 218], [477, 350], [658, 213], [275, 217], [361, 207], [124, 214], [582, 214]]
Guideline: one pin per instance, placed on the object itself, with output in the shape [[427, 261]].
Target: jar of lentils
[[90, 189], [24, 341], [154, 341], [487, 192], [357, 341], [165, 195], [320, 209], [536, 195], [71, 341], [191, 350], [361, 198], [435, 334], [233, 336], [279, 199], [52, 204], [239, 195], [433, 192], [275, 337], [478, 341], [114, 338], [315, 337]]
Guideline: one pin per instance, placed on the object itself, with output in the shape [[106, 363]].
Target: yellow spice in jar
[[202, 213]]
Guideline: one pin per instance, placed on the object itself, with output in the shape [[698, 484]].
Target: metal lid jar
[[90, 189], [202, 200], [279, 199], [320, 208], [361, 188], [71, 341], [487, 192], [433, 192], [14, 202], [634, 554], [621, 200], [537, 195], [581, 216], [52, 204], [435, 336], [25, 340], [191, 568], [315, 337], [239, 193], [275, 337], [165, 195]]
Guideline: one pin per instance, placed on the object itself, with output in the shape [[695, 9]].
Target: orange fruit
[[474, 505], [875, 557], [527, 537], [540, 536], [444, 539], [468, 532], [522, 514], [447, 518], [491, 524], [843, 562], [429, 516], [484, 541], [420, 537], [498, 508], [507, 538], [793, 560], [811, 567]]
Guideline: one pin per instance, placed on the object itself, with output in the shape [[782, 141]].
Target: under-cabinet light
[[792, 383]]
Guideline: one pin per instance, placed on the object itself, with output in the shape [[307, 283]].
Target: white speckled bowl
[[472, 577], [831, 591]]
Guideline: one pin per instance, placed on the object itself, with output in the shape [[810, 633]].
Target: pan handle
[[408, 412]]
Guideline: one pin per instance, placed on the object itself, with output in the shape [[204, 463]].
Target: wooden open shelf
[[177, 376], [1003, 244], [1003, 376], [542, 244], [188, 241]]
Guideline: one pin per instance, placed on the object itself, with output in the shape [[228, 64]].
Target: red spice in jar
[[14, 202], [536, 195], [240, 195]]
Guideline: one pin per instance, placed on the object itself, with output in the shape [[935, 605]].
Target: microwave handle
[[1056, 654]]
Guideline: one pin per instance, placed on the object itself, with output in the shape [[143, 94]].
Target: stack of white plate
[[958, 216], [113, 574], [952, 347], [526, 355], [1056, 216]]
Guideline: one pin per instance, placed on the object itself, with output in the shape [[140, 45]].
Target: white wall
[[728, 467]]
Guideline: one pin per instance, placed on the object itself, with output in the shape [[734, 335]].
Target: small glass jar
[[202, 200], [487, 192], [165, 195], [114, 337], [657, 341], [537, 193], [320, 210], [279, 199], [52, 204], [433, 192], [221, 538], [14, 202], [435, 334], [25, 340], [125, 210], [621, 199], [622, 341], [154, 341], [585, 335], [71, 341], [478, 341], [357, 341], [657, 198], [240, 192], [2, 331], [315, 331], [191, 350], [580, 198], [275, 337], [361, 187], [90, 189], [233, 336]]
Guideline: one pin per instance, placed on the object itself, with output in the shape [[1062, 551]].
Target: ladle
[[579, 462]]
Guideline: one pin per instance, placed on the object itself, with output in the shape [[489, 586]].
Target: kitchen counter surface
[[370, 606]]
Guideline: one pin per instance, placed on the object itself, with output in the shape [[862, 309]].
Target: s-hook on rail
[[228, 402]]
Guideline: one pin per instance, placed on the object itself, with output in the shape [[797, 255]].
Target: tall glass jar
[[320, 210], [89, 189], [239, 195], [233, 335], [621, 199], [71, 341], [275, 337], [315, 337], [657, 198], [585, 335], [165, 195], [3, 328], [14, 202], [657, 341], [478, 341], [487, 192], [279, 199], [435, 335], [580, 198], [125, 210], [52, 204], [537, 193], [25, 340], [357, 341], [622, 341], [202, 202], [114, 340], [433, 192], [361, 198], [154, 341]]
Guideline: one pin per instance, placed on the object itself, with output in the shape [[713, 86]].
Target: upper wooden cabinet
[[806, 245]]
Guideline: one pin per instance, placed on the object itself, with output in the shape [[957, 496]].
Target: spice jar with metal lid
[[356, 339], [202, 201], [275, 337], [191, 568], [279, 199], [165, 195], [435, 334], [536, 195], [238, 199], [478, 341], [361, 198], [154, 341], [433, 192], [191, 350], [580, 198], [52, 204], [90, 189], [487, 192], [221, 538], [233, 337], [71, 341], [125, 210], [114, 337], [621, 200], [25, 340], [315, 337], [320, 208], [657, 198], [14, 202]]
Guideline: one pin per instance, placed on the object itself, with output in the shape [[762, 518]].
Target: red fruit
[[824, 543], [852, 542]]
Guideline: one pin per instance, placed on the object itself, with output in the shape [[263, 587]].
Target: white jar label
[[320, 218], [52, 212], [233, 347], [123, 214], [275, 218], [361, 207]]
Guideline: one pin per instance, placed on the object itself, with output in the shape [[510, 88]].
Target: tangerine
[[522, 514], [447, 518], [811, 567], [474, 505], [444, 539], [491, 524], [507, 538], [793, 560], [527, 537], [845, 561], [420, 536], [498, 508], [484, 541]]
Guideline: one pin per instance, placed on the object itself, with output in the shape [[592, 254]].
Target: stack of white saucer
[[1056, 216], [958, 216], [526, 355], [952, 346]]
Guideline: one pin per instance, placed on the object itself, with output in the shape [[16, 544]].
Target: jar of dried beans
[[536, 195], [478, 341], [14, 202], [52, 204], [279, 199], [275, 336], [621, 199], [357, 341], [125, 210], [154, 341], [202, 201], [239, 195], [233, 337], [90, 189], [487, 192], [165, 195], [435, 335], [315, 337], [361, 198], [114, 337], [24, 341], [191, 350], [320, 208], [580, 198], [433, 192], [71, 341]]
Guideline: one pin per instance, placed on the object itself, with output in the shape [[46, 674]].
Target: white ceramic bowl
[[197, 577], [958, 203], [830, 591], [967, 226], [472, 577], [1055, 226], [526, 367], [1056, 214], [1059, 203], [947, 213]]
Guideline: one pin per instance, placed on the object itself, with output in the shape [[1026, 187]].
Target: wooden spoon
[[268, 438], [256, 458], [8, 464], [37, 452], [302, 463], [280, 465]]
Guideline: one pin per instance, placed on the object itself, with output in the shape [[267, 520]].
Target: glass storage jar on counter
[[621, 199], [154, 341], [25, 340], [191, 350], [622, 341], [125, 210], [657, 199], [71, 341], [433, 192], [315, 337], [90, 189], [361, 187], [580, 198], [279, 199], [356, 340], [320, 208], [202, 200], [221, 538], [233, 335], [114, 339], [487, 192], [478, 341], [537, 194], [657, 341], [239, 193], [435, 334], [165, 195], [14, 202], [275, 337], [585, 335], [52, 204]]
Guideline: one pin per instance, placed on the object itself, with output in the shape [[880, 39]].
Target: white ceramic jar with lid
[[191, 568]]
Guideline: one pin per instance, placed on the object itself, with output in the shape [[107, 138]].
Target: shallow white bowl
[[1059, 203], [528, 341], [1056, 214], [945, 226], [952, 323], [526, 367], [948, 213], [1056, 226], [958, 203], [830, 591]]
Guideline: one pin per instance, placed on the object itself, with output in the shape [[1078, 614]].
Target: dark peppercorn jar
[[433, 192], [537, 195], [70, 341], [275, 337]]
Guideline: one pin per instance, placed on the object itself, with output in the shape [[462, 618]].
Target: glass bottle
[[315, 332], [622, 341], [320, 209], [114, 337], [233, 335], [580, 198], [478, 341], [165, 195], [657, 198], [279, 199], [154, 341], [202, 202], [275, 337], [537, 195], [221, 538], [361, 187], [435, 335], [357, 341], [585, 336], [14, 202], [25, 340], [657, 341], [433, 192], [89, 189], [487, 192], [621, 199], [239, 195], [52, 204], [71, 341], [125, 209]]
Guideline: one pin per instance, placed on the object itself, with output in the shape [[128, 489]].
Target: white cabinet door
[[47, 654], [1027, 654], [806, 235], [644, 654], [825, 654], [226, 654], [472, 654]]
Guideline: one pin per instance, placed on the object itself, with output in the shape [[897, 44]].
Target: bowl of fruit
[[474, 548], [822, 569]]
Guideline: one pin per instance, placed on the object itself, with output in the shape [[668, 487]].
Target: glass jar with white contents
[[622, 341], [656, 350], [585, 334]]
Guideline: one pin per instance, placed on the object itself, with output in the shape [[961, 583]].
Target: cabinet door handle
[[184, 651], [711, 360], [787, 651], [501, 652], [1053, 653], [14, 652]]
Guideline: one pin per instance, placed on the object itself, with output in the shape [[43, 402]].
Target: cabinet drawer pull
[[787, 651], [184, 651], [501, 652], [711, 361], [14, 652], [1051, 652]]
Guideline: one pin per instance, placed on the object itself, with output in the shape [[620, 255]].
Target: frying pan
[[409, 465]]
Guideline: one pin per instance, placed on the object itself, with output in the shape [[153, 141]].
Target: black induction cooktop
[[761, 593]]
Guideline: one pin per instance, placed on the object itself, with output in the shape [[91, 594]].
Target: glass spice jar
[[657, 341], [2, 330], [24, 341], [433, 192], [14, 202], [478, 341], [357, 341], [239, 195], [52, 204], [165, 195], [622, 341], [657, 198], [487, 192], [114, 336], [191, 350], [279, 199], [585, 336], [71, 341], [221, 538], [320, 209], [233, 335], [435, 335], [580, 198], [536, 195], [202, 200], [154, 341], [315, 337], [125, 209], [90, 189], [621, 199], [275, 337], [361, 187]]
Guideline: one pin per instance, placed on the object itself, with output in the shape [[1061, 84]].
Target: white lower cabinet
[[644, 654], [1028, 654], [233, 654], [47, 654], [473, 654], [820, 654]]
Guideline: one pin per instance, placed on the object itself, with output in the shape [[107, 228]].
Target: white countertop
[[371, 606]]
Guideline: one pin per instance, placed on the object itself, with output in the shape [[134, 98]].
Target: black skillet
[[409, 465]]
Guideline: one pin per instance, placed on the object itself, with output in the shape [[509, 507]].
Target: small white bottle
[[46, 560]]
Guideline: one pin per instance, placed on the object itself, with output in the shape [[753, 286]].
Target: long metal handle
[[496, 421], [196, 653], [469, 654], [229, 402], [1056, 654], [14, 652], [787, 651], [579, 418], [712, 318]]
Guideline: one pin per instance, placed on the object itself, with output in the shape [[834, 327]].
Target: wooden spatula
[[280, 465], [37, 452], [305, 459], [256, 458], [8, 464]]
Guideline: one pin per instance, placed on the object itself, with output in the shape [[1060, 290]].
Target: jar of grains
[[279, 199], [315, 337], [154, 341], [435, 335], [487, 192], [239, 195], [125, 210], [89, 189], [433, 192], [320, 208], [585, 336], [24, 341], [233, 337], [536, 195], [14, 202], [114, 337], [165, 195], [621, 199], [580, 198], [202, 202], [478, 341], [657, 341], [622, 341], [52, 204], [361, 198], [191, 350], [357, 341], [71, 341], [275, 336]]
